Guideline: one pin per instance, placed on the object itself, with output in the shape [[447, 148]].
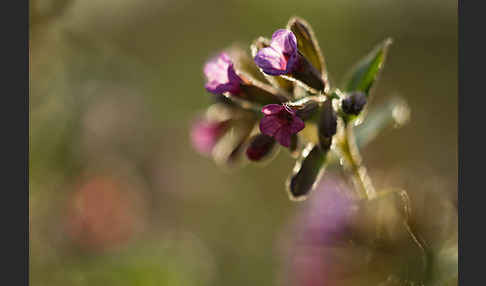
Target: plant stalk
[[354, 163]]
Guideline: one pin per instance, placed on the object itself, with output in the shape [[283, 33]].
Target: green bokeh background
[[115, 85]]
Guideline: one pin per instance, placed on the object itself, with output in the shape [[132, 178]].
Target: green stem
[[353, 160]]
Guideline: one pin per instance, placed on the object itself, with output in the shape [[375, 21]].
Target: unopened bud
[[354, 103], [308, 110], [307, 73], [327, 125], [260, 146]]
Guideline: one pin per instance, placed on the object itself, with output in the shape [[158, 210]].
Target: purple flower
[[318, 246], [281, 56], [221, 75], [205, 134], [280, 122]]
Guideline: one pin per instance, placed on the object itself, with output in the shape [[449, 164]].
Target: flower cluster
[[281, 96]]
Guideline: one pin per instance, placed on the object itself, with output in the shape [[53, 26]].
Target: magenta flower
[[221, 75], [280, 122], [281, 56], [205, 134]]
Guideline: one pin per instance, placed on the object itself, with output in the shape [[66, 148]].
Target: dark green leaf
[[308, 44], [307, 171], [365, 73]]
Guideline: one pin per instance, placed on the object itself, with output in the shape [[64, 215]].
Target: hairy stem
[[354, 163]]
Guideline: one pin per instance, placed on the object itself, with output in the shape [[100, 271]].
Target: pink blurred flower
[[205, 134], [101, 214]]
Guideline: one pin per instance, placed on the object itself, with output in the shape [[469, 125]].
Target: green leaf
[[308, 44], [366, 71], [307, 172], [393, 113]]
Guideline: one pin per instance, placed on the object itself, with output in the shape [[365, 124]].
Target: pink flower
[[280, 122], [221, 75], [205, 134], [281, 56]]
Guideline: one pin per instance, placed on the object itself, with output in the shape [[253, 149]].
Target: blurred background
[[118, 196]]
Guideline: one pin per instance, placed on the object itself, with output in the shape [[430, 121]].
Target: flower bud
[[327, 125], [308, 110], [260, 146], [354, 103], [307, 73]]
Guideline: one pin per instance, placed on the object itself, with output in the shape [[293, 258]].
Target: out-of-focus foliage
[[338, 240], [114, 86]]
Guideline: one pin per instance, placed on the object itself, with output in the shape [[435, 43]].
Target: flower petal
[[205, 134], [269, 125], [284, 40], [283, 136], [271, 61], [272, 109], [216, 68], [296, 125], [221, 76]]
